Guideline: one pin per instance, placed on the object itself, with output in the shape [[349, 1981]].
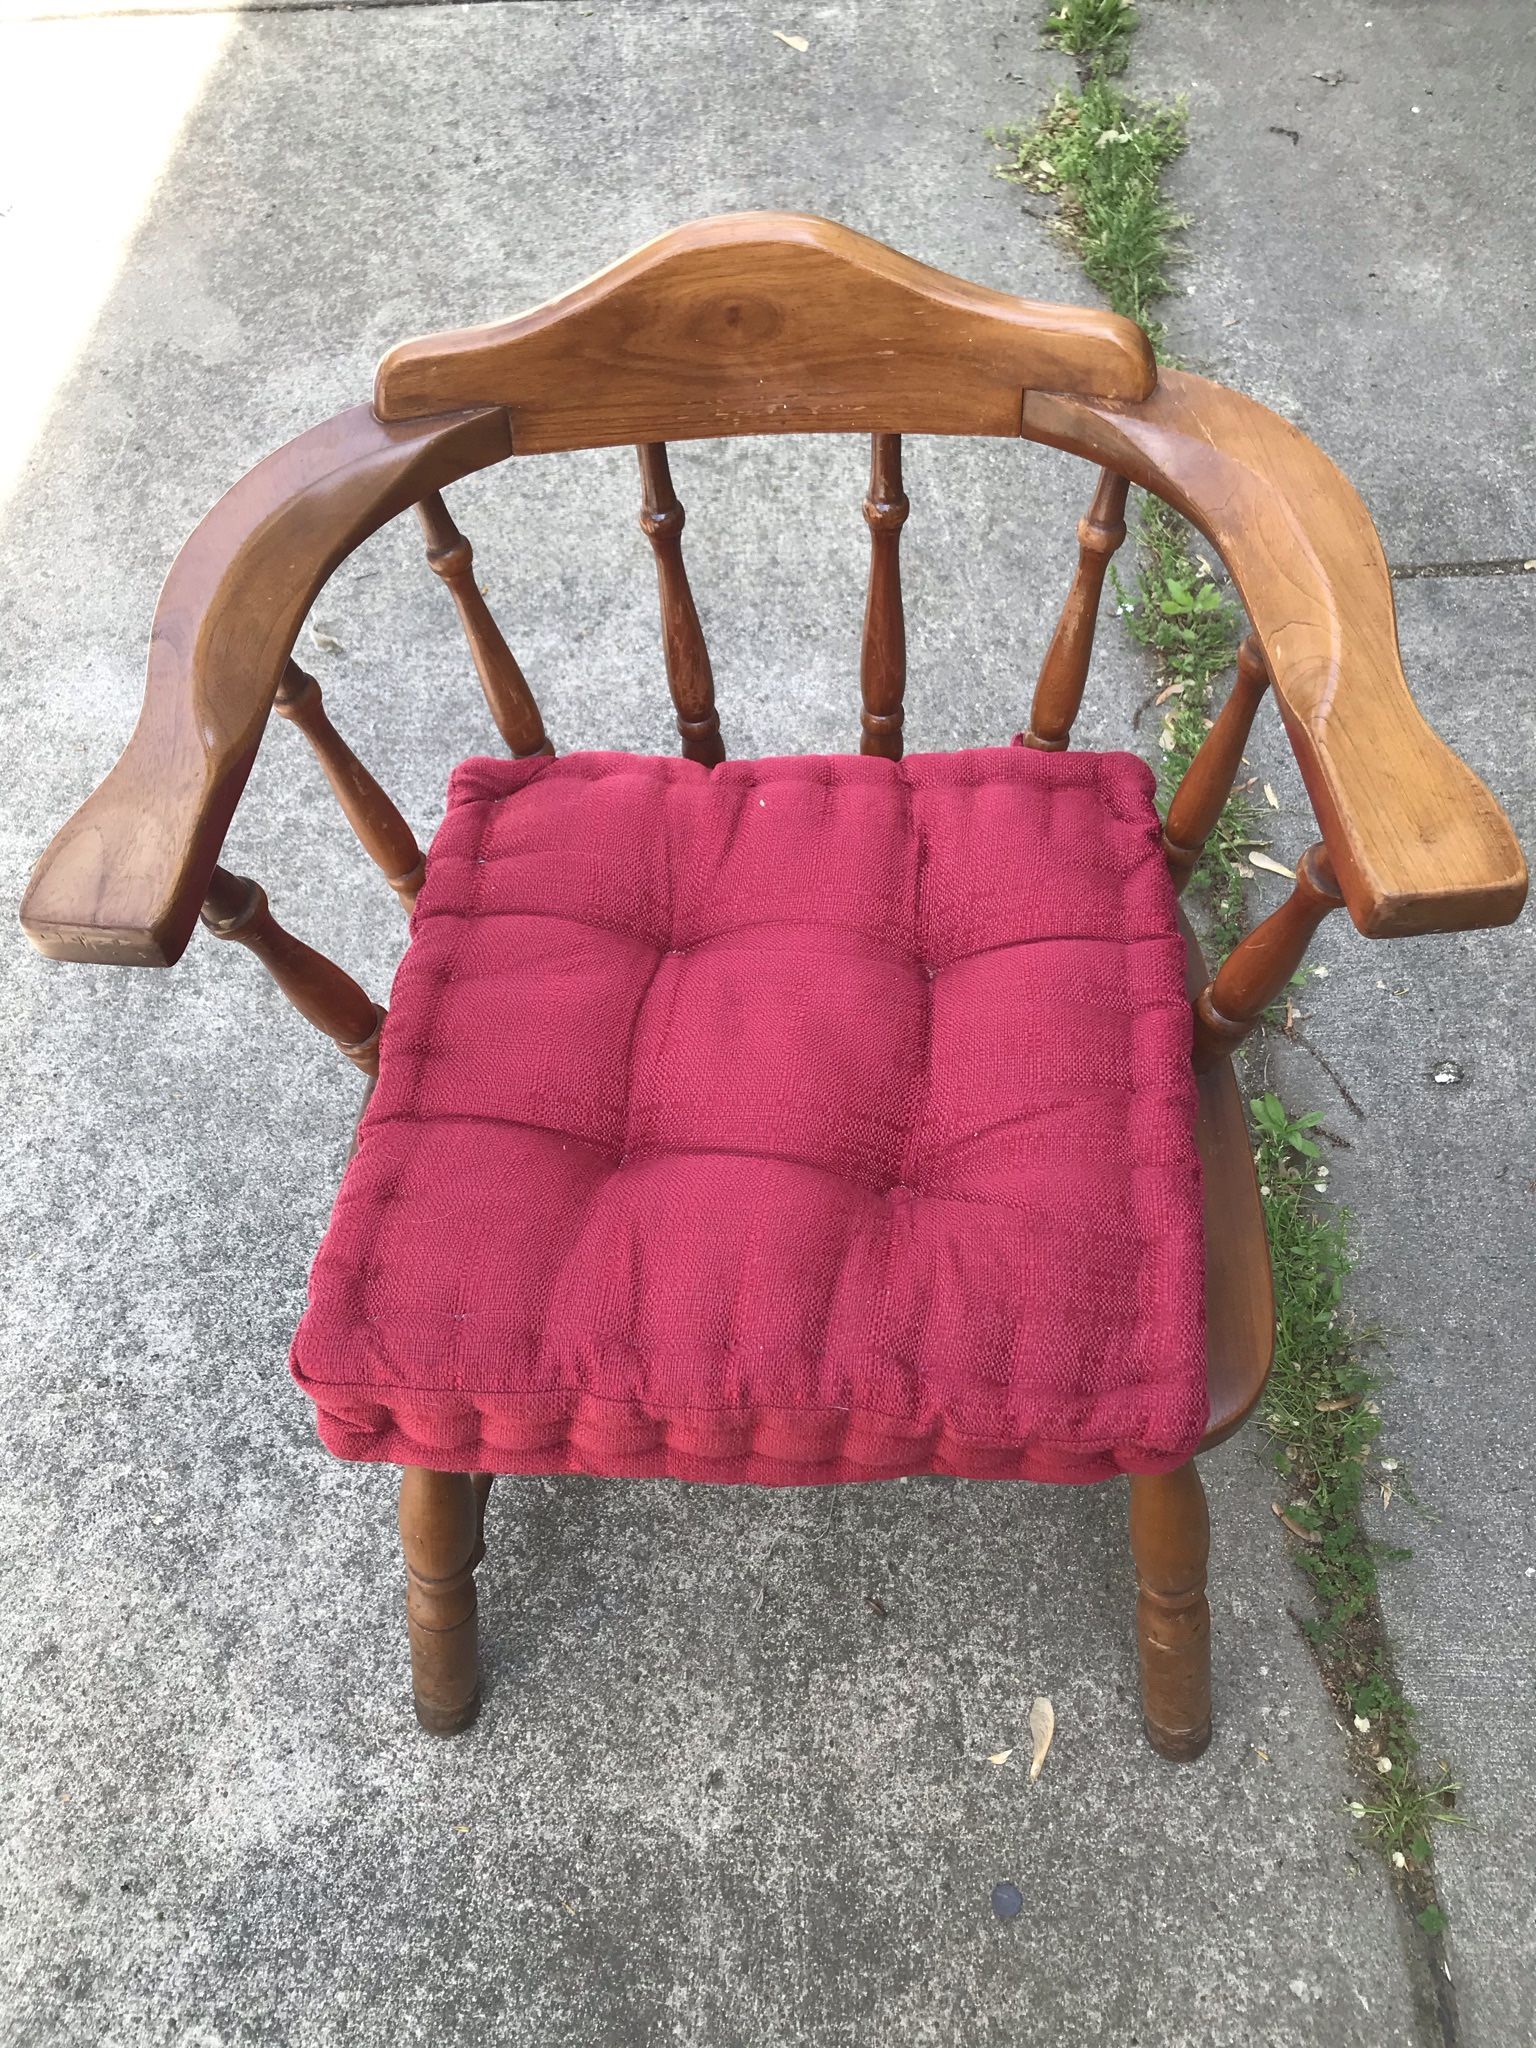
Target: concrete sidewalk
[[730, 1783]]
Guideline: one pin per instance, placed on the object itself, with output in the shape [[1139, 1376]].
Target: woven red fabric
[[799, 1120]]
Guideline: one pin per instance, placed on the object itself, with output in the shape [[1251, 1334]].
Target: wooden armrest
[[1417, 842], [124, 880]]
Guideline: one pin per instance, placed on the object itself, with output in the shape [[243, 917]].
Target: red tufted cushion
[[810, 1119]]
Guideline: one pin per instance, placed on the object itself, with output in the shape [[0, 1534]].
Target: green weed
[[1098, 32], [1102, 154]]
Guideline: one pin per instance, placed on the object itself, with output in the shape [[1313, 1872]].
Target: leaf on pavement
[[1042, 1726]]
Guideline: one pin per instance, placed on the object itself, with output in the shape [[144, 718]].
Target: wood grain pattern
[[760, 324], [690, 678], [1258, 968], [382, 832], [1064, 672], [1239, 1290], [507, 695], [883, 651], [441, 1535], [125, 878], [237, 909], [1171, 1542], [1418, 843], [1198, 801]]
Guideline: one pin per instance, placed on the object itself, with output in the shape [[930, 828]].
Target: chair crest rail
[[1417, 843], [765, 323]]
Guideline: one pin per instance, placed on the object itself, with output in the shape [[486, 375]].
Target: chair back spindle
[[510, 701], [1064, 672], [383, 833], [236, 908], [1197, 802], [883, 656], [1258, 968], [689, 675]]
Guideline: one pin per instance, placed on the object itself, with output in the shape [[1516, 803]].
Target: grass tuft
[[1097, 32], [1102, 155]]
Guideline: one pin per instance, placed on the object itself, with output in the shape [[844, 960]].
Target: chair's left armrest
[[1417, 842], [124, 879]]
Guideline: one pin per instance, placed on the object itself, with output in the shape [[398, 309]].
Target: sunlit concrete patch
[[120, 92]]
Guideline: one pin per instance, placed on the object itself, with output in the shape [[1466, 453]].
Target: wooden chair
[[766, 323]]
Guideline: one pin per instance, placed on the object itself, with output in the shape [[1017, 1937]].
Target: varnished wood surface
[[442, 1538], [125, 878], [760, 323], [1258, 968], [237, 909], [1418, 843], [1239, 1289], [883, 650], [1200, 798], [382, 832], [690, 678], [503, 684], [1064, 672], [1171, 1543]]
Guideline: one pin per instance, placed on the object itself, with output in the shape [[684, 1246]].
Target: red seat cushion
[[798, 1120]]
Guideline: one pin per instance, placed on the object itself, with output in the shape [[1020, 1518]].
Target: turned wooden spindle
[[384, 835], [507, 694], [1198, 800], [442, 1517], [883, 656], [236, 908], [689, 675], [1171, 1541], [1257, 969], [1064, 672]]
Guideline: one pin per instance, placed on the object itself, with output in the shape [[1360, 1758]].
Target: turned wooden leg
[[1170, 1541], [441, 1514]]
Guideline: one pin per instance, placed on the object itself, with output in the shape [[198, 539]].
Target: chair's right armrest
[[124, 879], [1417, 842]]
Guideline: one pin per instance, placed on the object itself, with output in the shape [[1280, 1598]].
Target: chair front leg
[[440, 1532], [1171, 1541]]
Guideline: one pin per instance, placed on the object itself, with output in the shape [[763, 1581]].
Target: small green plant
[[1102, 154], [1403, 1815], [1097, 32]]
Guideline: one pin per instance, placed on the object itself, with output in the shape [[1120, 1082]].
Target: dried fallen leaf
[[1000, 1756], [326, 642], [1042, 1726], [1297, 1529], [1270, 798], [1173, 690], [794, 42], [1332, 1407], [1271, 867]]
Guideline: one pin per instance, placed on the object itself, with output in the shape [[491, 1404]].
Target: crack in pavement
[[1502, 565]]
